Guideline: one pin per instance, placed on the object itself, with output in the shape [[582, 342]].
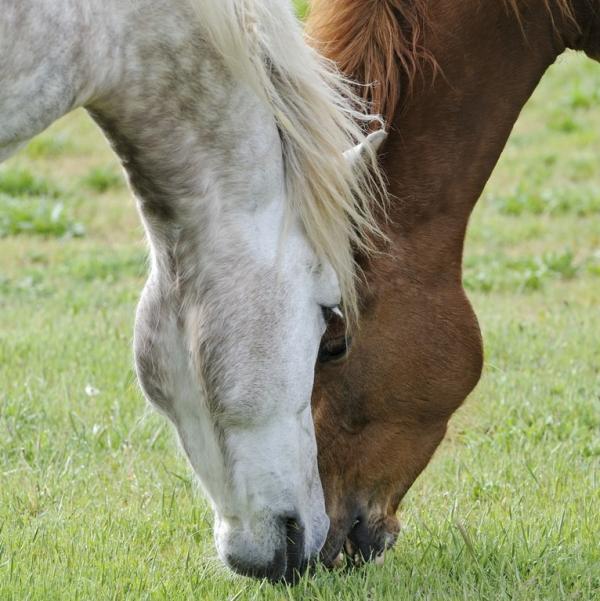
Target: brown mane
[[373, 41], [381, 42]]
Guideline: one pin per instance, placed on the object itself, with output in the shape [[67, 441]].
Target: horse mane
[[318, 116], [375, 42], [380, 43], [565, 8]]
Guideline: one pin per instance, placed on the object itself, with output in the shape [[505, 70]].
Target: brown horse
[[451, 78]]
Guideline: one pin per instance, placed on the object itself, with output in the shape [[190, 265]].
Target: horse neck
[[201, 151], [451, 131]]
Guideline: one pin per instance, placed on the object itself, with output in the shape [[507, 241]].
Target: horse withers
[[451, 78], [232, 133]]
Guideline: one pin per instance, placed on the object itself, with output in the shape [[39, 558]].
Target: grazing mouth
[[363, 544]]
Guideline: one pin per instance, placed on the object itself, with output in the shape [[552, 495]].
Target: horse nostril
[[295, 543], [364, 543]]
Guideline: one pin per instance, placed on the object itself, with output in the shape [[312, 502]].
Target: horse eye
[[333, 349]]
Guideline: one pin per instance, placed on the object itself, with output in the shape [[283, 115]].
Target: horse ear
[[359, 152]]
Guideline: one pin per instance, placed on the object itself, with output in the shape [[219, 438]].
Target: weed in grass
[[561, 263], [108, 266], [549, 160], [103, 179], [564, 123], [102, 266], [579, 200], [29, 286], [4, 284], [518, 202], [583, 168], [40, 216], [48, 146], [526, 274], [16, 181], [584, 96], [592, 265]]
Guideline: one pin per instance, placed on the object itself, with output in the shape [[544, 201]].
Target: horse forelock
[[319, 117]]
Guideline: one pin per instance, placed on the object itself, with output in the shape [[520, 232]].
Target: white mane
[[319, 118]]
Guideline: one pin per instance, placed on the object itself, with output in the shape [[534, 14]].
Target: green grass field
[[96, 502]]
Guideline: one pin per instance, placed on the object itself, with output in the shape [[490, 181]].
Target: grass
[[102, 179], [22, 182], [30, 204], [97, 503]]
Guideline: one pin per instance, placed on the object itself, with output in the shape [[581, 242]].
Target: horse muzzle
[[293, 549], [359, 539]]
